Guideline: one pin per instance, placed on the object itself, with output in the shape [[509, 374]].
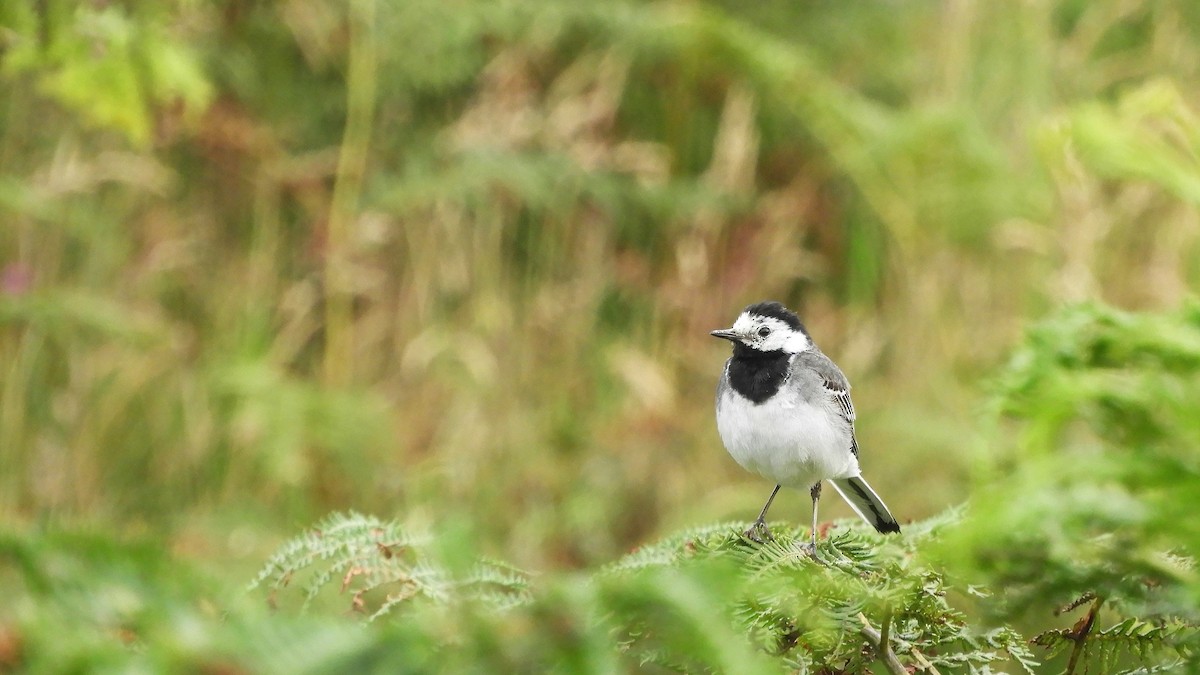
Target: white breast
[[786, 439]]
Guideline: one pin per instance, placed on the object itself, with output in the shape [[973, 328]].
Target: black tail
[[866, 503]]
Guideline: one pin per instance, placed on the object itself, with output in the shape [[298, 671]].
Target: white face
[[767, 334]]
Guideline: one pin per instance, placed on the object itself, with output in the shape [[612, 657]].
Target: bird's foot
[[758, 532], [810, 550]]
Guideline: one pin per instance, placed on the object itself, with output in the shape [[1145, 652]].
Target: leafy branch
[[802, 611]]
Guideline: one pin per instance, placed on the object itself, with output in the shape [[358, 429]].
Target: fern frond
[[364, 557]]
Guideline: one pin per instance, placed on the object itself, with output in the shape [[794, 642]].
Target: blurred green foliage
[[261, 261], [1093, 498], [686, 603]]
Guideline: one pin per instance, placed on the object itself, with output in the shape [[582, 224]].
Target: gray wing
[[833, 384]]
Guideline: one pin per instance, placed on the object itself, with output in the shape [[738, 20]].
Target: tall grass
[[464, 260]]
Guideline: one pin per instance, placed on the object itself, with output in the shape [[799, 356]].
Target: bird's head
[[766, 327]]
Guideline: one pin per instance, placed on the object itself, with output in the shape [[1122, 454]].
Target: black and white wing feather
[[855, 489], [836, 386]]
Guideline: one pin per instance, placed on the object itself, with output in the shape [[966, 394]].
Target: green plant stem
[[884, 650], [885, 627], [352, 160]]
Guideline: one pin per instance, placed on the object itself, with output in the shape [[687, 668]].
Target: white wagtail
[[784, 411]]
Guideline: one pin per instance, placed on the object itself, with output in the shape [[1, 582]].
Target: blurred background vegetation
[[456, 262]]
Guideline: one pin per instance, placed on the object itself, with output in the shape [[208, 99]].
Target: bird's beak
[[725, 334]]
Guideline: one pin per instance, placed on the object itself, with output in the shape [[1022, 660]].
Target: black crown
[[776, 310]]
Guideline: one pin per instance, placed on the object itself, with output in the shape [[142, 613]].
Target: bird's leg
[[758, 531], [815, 491]]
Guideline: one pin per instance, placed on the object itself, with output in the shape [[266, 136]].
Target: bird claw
[[810, 550], [758, 533]]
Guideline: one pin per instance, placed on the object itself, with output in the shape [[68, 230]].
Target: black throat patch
[[757, 375]]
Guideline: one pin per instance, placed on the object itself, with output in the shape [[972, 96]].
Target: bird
[[784, 412]]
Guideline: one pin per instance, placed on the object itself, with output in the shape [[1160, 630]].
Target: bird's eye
[[764, 331]]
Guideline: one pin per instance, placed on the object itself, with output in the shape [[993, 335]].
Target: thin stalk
[[885, 628], [1080, 634], [361, 82], [884, 650]]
